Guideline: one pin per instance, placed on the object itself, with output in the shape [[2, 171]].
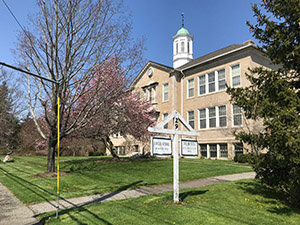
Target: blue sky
[[214, 24]]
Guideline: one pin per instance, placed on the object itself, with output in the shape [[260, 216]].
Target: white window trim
[[217, 78], [188, 118], [232, 117], [217, 118], [163, 92], [187, 88], [207, 82], [231, 83]]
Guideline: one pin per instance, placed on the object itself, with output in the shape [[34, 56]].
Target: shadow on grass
[[184, 195], [28, 185], [80, 207], [271, 196]]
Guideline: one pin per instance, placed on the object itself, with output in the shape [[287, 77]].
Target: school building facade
[[196, 89]]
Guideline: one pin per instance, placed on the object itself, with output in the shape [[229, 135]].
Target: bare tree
[[67, 41]]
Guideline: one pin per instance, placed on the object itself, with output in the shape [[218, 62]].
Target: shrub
[[241, 158], [96, 154]]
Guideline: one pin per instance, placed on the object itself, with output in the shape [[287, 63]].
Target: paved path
[[12, 211], [19, 214]]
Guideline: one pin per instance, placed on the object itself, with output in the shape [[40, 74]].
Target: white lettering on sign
[[189, 147], [161, 146]]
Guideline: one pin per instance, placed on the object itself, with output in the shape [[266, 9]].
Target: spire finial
[[182, 15]]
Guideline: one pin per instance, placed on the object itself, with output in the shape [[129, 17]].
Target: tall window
[[202, 118], [165, 92], [235, 75], [221, 79], [212, 117], [237, 115], [203, 150], [222, 116], [176, 47], [211, 82], [150, 97], [165, 115], [202, 85], [213, 150], [191, 88], [191, 118], [223, 150], [188, 47], [182, 46], [238, 148]]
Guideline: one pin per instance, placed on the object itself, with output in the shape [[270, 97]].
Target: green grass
[[92, 175], [240, 202]]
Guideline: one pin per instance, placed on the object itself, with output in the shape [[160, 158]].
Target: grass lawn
[[240, 202], [92, 175]]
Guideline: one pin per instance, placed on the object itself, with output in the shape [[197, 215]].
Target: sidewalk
[[34, 210]]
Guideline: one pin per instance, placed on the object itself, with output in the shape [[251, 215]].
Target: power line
[[13, 16]]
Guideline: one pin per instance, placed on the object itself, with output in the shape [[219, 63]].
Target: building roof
[[182, 31], [151, 64], [221, 52]]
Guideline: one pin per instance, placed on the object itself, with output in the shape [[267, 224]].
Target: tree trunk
[[51, 155], [110, 146]]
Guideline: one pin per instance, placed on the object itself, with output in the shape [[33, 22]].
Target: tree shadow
[[271, 197], [28, 185], [81, 207], [184, 195]]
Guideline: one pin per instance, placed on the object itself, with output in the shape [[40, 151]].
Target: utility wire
[[29, 40]]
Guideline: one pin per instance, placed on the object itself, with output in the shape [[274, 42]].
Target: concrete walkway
[[20, 215]]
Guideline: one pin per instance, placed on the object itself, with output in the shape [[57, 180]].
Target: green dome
[[182, 31]]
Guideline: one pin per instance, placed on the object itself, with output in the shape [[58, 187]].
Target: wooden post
[[175, 163]]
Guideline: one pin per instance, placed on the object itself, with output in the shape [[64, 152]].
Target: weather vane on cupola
[[182, 15]]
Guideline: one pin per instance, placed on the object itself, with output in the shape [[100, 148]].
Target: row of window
[[216, 116], [211, 150], [214, 81], [207, 83]]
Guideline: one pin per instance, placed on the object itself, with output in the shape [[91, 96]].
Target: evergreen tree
[[274, 96], [9, 123]]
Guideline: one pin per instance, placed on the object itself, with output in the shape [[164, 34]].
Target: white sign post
[[175, 132]]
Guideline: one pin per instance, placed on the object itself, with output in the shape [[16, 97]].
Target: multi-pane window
[[221, 79], [165, 115], [222, 116], [237, 115], [165, 92], [203, 150], [223, 150], [202, 85], [212, 117], [202, 118], [191, 88], [238, 148], [213, 150], [211, 82], [191, 118], [235, 75]]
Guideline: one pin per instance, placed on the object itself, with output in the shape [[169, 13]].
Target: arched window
[[182, 46]]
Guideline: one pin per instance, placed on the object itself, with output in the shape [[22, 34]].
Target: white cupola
[[182, 47]]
